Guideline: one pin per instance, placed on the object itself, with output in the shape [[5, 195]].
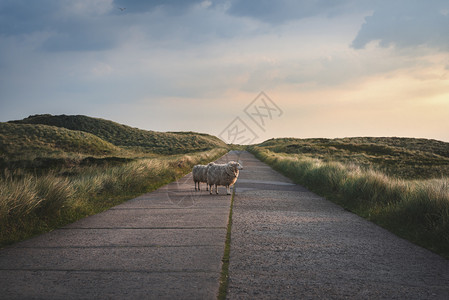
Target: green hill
[[401, 157], [18, 140], [130, 138], [28, 146], [57, 169]]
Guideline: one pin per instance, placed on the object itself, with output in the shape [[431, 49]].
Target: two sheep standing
[[216, 174]]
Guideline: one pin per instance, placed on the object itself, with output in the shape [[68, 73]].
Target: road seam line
[[224, 278]]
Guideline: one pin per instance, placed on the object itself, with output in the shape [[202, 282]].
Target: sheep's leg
[[199, 183], [216, 189], [195, 186], [210, 189], [207, 185], [228, 190]]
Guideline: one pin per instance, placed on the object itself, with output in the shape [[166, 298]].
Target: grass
[[19, 140], [415, 209], [32, 204], [126, 137], [57, 169], [405, 158]]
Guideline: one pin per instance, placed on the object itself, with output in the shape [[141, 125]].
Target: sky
[[243, 70]]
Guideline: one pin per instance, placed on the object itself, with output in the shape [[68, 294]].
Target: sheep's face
[[236, 166]]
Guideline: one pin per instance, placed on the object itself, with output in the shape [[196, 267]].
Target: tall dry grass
[[414, 209], [31, 204]]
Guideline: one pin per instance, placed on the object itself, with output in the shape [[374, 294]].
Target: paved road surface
[[286, 243], [166, 244]]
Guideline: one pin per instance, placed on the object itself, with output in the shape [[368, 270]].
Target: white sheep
[[199, 173], [223, 174]]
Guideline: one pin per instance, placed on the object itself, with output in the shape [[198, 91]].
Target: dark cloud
[[402, 23], [21, 16], [79, 40], [71, 25], [68, 27], [89, 25], [99, 25], [276, 11], [281, 11], [406, 23], [140, 6]]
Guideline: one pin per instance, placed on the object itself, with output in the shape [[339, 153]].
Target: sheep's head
[[235, 166]]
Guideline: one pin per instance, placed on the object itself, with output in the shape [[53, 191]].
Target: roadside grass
[[32, 204], [417, 209], [57, 169], [405, 158]]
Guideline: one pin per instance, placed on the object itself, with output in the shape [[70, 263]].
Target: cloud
[[406, 23], [20, 16], [68, 25], [98, 25], [142, 6], [278, 12], [85, 34], [173, 63], [25, 17]]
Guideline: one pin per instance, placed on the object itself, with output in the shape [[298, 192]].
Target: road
[[167, 244], [287, 243]]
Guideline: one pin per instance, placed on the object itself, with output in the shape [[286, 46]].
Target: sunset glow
[[336, 69]]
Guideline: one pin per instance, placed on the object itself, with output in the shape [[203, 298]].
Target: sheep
[[200, 175], [223, 174]]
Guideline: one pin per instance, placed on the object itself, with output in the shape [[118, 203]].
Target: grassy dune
[[31, 204], [57, 169], [130, 138], [405, 158], [42, 142], [23, 139], [40, 147], [416, 209]]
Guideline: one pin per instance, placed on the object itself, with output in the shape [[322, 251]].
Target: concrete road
[[288, 243], [167, 244]]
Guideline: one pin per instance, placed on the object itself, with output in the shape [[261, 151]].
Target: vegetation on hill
[[400, 184], [28, 142], [57, 169], [31, 204], [131, 138], [405, 158]]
